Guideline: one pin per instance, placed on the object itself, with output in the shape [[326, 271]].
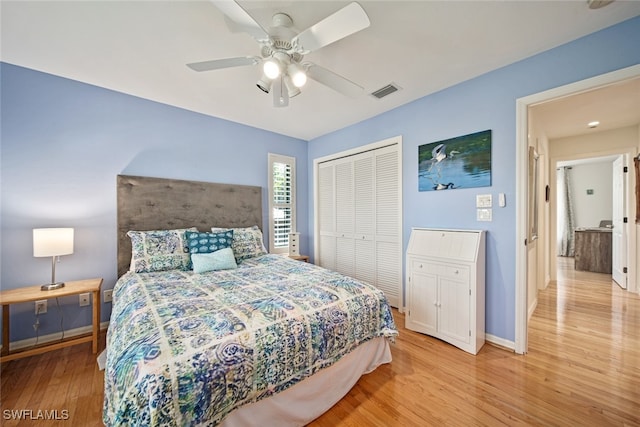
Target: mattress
[[188, 349]]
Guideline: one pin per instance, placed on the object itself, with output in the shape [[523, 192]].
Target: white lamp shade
[[52, 241], [298, 77], [271, 68]]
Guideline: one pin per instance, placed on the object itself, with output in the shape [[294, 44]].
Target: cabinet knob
[[420, 265], [457, 272]]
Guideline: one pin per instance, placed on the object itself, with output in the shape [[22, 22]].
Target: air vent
[[386, 90]]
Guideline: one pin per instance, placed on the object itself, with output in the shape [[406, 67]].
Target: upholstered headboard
[[146, 203]]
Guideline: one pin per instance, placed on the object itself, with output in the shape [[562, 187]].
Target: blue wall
[[64, 143], [486, 102]]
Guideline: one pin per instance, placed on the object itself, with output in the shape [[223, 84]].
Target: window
[[282, 202]]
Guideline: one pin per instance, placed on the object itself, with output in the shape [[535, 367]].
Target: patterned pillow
[[204, 243], [247, 242], [158, 250], [218, 260]]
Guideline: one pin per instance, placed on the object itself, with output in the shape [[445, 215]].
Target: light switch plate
[[502, 200], [483, 200], [484, 215]]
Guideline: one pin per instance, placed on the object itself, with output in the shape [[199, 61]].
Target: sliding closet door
[[359, 218]]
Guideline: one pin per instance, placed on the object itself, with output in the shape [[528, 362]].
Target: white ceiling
[[614, 106], [141, 48]]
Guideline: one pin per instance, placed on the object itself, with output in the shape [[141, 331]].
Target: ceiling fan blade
[[334, 81], [280, 93], [239, 16], [217, 64], [348, 20]]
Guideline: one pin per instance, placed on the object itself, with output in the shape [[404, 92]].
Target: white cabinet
[[445, 285]]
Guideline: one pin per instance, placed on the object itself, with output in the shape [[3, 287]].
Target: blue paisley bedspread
[[187, 349]]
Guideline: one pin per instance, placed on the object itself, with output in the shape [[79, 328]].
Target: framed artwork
[[461, 162]]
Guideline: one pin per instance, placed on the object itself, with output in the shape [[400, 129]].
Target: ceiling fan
[[283, 50]]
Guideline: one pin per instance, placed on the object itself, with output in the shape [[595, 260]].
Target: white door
[[454, 306], [364, 220], [619, 234], [326, 216], [345, 248], [422, 300], [388, 223], [359, 217]]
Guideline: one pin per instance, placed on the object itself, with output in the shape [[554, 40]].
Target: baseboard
[[501, 342], [57, 336]]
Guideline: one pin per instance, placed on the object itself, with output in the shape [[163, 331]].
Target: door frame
[[522, 144]]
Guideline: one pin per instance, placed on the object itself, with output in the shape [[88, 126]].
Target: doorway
[[544, 261], [589, 214]]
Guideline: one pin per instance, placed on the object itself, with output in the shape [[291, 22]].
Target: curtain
[[566, 219]]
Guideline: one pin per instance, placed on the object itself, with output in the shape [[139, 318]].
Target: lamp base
[[52, 286]]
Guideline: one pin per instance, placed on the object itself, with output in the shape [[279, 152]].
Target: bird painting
[[460, 162]]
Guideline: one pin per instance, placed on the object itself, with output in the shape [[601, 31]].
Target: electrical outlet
[[84, 299], [41, 306], [107, 295]]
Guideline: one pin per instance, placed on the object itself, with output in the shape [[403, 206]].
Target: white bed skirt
[[307, 400]]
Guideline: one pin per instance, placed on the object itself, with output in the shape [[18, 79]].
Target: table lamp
[[52, 242]]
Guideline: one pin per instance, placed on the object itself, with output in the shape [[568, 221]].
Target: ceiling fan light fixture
[[264, 84], [297, 74], [292, 89], [271, 68]]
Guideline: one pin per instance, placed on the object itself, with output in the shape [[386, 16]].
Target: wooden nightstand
[[304, 258], [33, 293]]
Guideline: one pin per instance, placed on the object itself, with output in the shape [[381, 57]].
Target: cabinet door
[[423, 302], [454, 319]]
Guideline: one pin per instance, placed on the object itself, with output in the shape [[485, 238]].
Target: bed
[[273, 341]]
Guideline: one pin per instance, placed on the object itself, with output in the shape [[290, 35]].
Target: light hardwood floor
[[582, 369]]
